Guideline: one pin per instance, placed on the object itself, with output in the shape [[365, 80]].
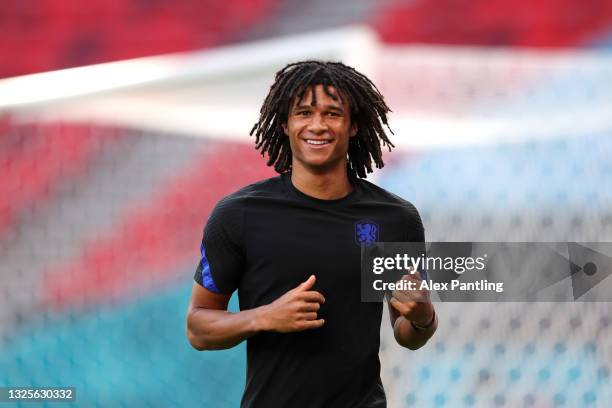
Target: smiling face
[[319, 134]]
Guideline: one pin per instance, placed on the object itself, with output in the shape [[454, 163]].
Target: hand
[[295, 311], [414, 305]]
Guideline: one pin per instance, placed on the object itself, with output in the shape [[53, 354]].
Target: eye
[[333, 114], [303, 113]]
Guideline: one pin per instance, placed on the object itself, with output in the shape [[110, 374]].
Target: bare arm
[[403, 309], [211, 327]]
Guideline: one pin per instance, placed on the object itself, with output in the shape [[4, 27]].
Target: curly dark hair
[[367, 105]]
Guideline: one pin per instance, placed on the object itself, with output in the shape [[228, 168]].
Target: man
[[291, 247]]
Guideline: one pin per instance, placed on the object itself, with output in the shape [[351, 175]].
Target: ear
[[284, 126], [353, 129]]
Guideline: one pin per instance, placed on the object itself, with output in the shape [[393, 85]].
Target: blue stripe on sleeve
[[207, 279]]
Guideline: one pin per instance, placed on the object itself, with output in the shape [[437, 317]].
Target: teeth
[[317, 142]]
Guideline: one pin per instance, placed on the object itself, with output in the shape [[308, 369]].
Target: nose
[[317, 124]]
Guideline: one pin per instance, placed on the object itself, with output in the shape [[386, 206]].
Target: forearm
[[408, 337], [219, 329]]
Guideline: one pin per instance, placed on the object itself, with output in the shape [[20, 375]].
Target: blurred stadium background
[[503, 121]]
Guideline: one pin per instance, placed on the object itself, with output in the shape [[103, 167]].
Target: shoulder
[[240, 199], [226, 219], [374, 192], [406, 213]]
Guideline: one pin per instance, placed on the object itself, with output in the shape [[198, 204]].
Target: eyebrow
[[328, 107]]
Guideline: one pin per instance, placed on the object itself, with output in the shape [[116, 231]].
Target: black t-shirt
[[269, 237]]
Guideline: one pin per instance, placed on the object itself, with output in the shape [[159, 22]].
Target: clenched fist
[[413, 305], [295, 311]]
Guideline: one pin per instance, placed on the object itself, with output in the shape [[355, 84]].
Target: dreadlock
[[368, 111]]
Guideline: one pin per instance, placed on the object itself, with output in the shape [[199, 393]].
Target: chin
[[320, 165]]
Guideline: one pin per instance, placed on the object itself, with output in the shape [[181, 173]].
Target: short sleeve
[[415, 232], [222, 254]]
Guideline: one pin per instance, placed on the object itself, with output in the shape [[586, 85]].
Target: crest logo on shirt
[[366, 232]]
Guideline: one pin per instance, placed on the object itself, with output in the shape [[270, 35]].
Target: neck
[[330, 184]]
